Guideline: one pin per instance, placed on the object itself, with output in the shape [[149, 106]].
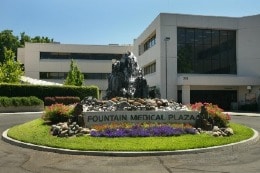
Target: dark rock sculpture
[[203, 120], [126, 79], [77, 115]]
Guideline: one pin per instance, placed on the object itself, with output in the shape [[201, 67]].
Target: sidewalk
[[21, 113], [250, 114]]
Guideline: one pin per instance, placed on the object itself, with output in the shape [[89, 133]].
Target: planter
[[11, 109]]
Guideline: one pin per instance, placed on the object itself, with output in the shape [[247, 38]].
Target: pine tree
[[10, 70], [74, 77]]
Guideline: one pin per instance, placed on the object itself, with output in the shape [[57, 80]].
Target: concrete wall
[[164, 25], [152, 55], [248, 41], [30, 57], [248, 54]]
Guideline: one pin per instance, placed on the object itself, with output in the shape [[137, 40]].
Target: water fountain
[[126, 79], [127, 100]]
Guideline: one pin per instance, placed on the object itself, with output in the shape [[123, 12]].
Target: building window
[[148, 43], [96, 75], [52, 75], [151, 68], [63, 75], [206, 51], [84, 56]]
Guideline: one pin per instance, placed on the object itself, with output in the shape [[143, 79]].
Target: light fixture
[[166, 39], [249, 88]]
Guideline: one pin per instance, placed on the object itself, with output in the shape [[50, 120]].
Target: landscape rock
[[229, 131], [215, 129], [65, 130], [215, 134]]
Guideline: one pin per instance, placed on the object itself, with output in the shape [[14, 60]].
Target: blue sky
[[105, 21]]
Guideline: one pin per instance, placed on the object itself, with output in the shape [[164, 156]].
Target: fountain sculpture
[[126, 79], [127, 100]]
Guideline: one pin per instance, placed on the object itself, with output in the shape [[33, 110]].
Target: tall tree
[[9, 41], [24, 38], [74, 77], [10, 70], [38, 39]]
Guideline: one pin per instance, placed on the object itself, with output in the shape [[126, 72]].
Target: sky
[[102, 22]]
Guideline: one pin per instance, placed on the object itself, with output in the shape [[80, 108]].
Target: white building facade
[[188, 58], [51, 61], [202, 58]]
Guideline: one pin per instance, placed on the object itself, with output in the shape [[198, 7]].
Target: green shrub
[[57, 113], [20, 101], [35, 101], [28, 101], [40, 91], [16, 101], [5, 101]]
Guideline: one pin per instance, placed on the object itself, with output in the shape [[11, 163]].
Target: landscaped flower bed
[[220, 118], [61, 115], [141, 130]]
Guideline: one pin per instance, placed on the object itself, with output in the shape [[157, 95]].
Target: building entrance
[[222, 98]]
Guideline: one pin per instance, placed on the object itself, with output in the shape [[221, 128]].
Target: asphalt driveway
[[15, 159]]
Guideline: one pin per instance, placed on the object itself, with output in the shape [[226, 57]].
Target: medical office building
[[188, 58], [202, 58]]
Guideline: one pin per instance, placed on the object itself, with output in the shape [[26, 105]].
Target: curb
[[228, 147], [21, 113]]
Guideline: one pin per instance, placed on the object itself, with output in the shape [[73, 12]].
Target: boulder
[[215, 134], [229, 131], [122, 105], [215, 129]]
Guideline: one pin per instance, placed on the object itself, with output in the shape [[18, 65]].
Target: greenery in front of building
[[11, 42], [10, 70], [20, 101], [37, 132], [66, 100], [214, 112], [40, 91], [74, 77], [57, 113]]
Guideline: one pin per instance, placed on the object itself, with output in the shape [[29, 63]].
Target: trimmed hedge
[[66, 100], [20, 101], [40, 91]]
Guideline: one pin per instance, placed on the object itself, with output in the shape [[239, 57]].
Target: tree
[[9, 41], [38, 39], [74, 77], [24, 38], [10, 70]]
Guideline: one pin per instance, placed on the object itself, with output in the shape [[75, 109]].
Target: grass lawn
[[37, 132]]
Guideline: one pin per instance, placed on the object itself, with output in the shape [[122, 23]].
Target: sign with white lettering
[[178, 117]]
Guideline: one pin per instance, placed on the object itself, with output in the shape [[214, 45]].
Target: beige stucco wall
[[248, 46], [248, 54], [164, 25], [30, 56]]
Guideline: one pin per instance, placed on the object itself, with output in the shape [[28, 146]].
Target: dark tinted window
[[62, 75], [206, 51], [86, 56]]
